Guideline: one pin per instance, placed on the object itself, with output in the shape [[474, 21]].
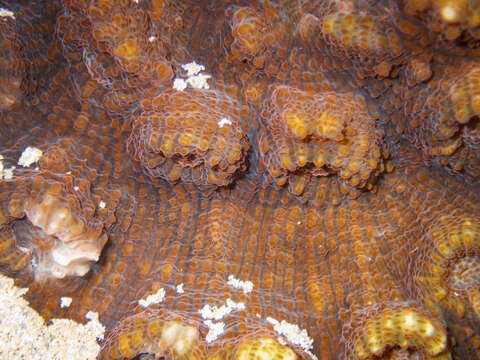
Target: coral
[[193, 136], [359, 35], [124, 48], [256, 37], [263, 348], [449, 108], [246, 179], [450, 19], [395, 326], [13, 65], [361, 40], [55, 227], [449, 271], [149, 333], [249, 31], [319, 135]]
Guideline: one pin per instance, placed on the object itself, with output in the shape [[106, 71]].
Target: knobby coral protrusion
[[448, 271], [56, 226], [264, 348], [443, 119], [249, 30], [193, 136], [150, 333], [319, 135], [452, 19], [375, 331]]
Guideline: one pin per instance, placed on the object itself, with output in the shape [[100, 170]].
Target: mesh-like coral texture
[[60, 233], [451, 259], [397, 326], [149, 333], [318, 135], [191, 136]]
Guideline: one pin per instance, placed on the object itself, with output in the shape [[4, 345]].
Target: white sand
[[24, 334]]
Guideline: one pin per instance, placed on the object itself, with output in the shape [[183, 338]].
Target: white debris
[[217, 313], [156, 298], [199, 81], [258, 315], [152, 38], [224, 121], [65, 301], [29, 156], [101, 204], [293, 334], [214, 330], [24, 334], [194, 77], [4, 13], [76, 188], [246, 286], [179, 84], [180, 289], [8, 173], [312, 355], [5, 174], [23, 249], [193, 68]]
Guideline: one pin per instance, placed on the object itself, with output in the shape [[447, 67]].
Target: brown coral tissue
[[246, 179]]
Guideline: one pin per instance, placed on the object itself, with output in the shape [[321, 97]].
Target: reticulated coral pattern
[[319, 135], [246, 179], [196, 137]]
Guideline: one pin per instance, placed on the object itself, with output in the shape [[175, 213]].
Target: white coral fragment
[[5, 174], [156, 298], [5, 13], [293, 334], [8, 173], [246, 286], [199, 81], [180, 289], [217, 313], [179, 84], [65, 301], [193, 68], [29, 156], [194, 78], [214, 330], [224, 121]]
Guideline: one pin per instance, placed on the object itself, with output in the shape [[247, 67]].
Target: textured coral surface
[[311, 191]]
